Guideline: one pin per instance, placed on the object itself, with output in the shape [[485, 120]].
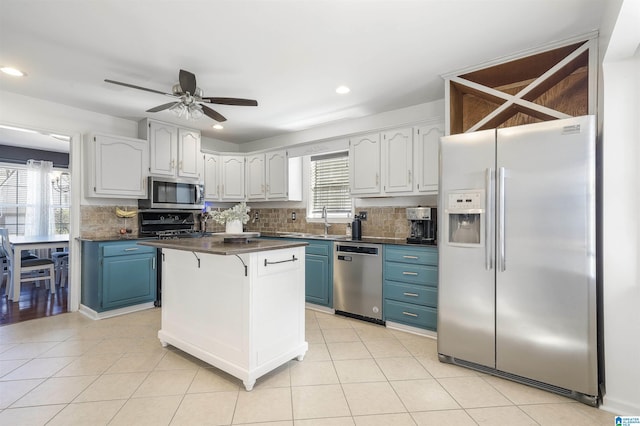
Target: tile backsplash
[[389, 222], [97, 222]]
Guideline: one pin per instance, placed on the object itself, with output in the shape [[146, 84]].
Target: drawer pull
[[409, 257], [411, 294], [409, 273], [131, 249], [293, 259], [410, 314]]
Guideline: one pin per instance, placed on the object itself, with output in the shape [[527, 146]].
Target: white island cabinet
[[237, 306]]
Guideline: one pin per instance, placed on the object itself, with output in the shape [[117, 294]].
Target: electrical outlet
[[363, 215], [293, 215]]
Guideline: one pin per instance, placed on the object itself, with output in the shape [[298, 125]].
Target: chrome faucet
[[325, 217]]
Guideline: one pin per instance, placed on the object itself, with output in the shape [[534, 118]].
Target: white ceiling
[[290, 55]]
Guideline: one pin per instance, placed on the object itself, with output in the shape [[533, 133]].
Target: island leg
[[163, 343], [300, 357], [248, 384]]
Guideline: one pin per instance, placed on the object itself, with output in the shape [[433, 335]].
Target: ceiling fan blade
[[213, 114], [163, 107], [133, 86], [187, 82], [231, 101]]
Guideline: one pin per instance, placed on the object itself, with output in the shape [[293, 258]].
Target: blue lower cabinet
[[410, 286], [319, 273], [117, 274]]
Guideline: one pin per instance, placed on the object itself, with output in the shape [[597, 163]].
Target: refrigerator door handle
[[488, 246], [502, 266]]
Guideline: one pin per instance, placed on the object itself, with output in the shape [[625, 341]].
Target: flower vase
[[233, 227]]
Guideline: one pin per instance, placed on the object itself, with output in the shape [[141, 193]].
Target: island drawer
[[277, 261]]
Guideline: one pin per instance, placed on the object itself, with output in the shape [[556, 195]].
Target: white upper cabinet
[[397, 155], [232, 177], [277, 175], [173, 151], [223, 177], [364, 164], [117, 167], [267, 176], [189, 153], [256, 187], [426, 144], [212, 174]]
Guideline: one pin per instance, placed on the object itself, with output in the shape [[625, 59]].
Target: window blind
[[330, 184]]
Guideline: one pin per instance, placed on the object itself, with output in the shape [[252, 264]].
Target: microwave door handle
[[198, 193]]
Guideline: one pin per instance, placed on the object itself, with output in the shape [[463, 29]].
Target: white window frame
[[333, 217]]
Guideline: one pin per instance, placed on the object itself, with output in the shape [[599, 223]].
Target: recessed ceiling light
[[12, 71], [342, 90], [218, 126]]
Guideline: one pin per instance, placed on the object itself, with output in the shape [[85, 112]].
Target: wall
[[620, 35], [390, 119]]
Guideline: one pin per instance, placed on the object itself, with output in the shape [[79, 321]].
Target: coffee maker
[[422, 225]]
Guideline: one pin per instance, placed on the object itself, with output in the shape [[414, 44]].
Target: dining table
[[20, 243]]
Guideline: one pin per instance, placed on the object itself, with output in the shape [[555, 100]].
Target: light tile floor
[[69, 370]]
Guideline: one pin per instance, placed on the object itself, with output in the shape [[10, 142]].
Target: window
[[329, 186], [13, 199]]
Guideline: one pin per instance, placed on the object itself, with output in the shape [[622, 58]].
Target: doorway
[[62, 206]]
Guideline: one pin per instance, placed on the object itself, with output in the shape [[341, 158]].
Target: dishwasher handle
[[358, 250]]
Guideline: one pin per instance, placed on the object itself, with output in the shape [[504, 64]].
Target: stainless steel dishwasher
[[357, 280]]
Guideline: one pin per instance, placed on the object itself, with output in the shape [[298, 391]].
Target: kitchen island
[[238, 306]]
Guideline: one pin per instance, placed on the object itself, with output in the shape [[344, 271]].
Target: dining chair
[[61, 266], [32, 269]]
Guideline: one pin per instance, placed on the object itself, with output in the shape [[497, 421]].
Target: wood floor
[[35, 302]]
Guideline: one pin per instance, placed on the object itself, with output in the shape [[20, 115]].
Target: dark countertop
[[128, 237], [216, 245], [338, 239]]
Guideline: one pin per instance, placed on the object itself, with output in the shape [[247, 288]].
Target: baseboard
[[319, 308], [413, 330], [618, 407], [94, 315]]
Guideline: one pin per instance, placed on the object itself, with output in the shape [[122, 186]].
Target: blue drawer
[[124, 248], [409, 314], [415, 274], [409, 293], [412, 254]]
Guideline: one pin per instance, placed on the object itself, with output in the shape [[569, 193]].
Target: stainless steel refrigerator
[[517, 254]]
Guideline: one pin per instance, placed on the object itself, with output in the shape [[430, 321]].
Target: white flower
[[238, 212]]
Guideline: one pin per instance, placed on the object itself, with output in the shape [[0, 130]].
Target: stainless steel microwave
[[166, 193]]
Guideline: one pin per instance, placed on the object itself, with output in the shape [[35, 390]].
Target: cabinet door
[[120, 166], [256, 188], [364, 164], [188, 153], [232, 181], [211, 177], [163, 142], [427, 139], [397, 146], [317, 279], [128, 280], [277, 175]]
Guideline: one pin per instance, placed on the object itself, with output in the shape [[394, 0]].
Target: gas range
[[167, 224]]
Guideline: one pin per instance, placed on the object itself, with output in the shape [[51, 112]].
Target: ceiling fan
[[189, 102]]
